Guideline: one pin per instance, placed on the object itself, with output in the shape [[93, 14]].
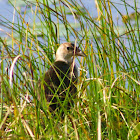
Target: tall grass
[[107, 103]]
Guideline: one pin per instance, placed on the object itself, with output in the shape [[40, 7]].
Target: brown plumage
[[61, 79]]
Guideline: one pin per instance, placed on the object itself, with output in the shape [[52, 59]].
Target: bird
[[62, 77]]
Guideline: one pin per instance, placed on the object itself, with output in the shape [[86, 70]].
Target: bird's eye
[[68, 48]]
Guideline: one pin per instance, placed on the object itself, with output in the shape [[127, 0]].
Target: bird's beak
[[78, 52]]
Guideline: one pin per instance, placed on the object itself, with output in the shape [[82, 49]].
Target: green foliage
[[108, 98]]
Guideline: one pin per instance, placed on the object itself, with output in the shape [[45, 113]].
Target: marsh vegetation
[[108, 98]]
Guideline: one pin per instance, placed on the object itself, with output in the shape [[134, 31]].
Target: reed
[[108, 98]]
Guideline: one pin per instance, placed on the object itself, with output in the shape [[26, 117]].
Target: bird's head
[[66, 51]]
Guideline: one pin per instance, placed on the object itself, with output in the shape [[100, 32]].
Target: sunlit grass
[[107, 103]]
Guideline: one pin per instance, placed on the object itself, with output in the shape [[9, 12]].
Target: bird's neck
[[68, 61], [73, 68]]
